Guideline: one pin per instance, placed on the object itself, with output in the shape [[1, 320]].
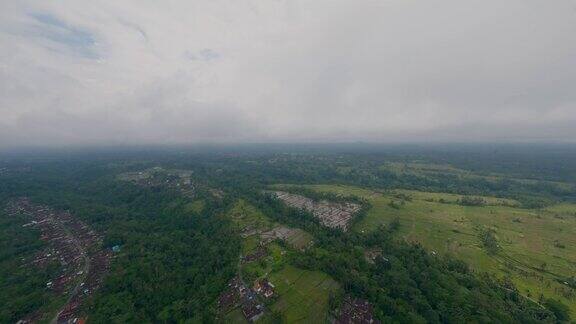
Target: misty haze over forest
[[288, 161]]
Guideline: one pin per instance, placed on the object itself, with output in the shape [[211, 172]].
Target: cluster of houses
[[356, 311], [264, 288], [330, 214], [99, 267], [352, 310], [74, 246], [240, 295], [180, 180]]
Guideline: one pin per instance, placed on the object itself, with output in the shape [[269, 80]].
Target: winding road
[[85, 269]]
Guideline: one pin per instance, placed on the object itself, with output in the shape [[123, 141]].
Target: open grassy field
[[303, 295], [246, 216], [235, 316], [537, 246], [422, 169]]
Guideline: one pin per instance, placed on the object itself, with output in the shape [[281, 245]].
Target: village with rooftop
[[74, 248]]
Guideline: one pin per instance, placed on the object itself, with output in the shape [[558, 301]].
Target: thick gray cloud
[[121, 72]]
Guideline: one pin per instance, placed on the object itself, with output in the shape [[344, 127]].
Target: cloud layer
[[123, 72]]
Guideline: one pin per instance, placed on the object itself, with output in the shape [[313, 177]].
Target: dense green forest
[[175, 260], [173, 264], [22, 287]]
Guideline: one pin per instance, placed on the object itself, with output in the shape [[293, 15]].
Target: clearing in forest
[[255, 227], [304, 294], [299, 295]]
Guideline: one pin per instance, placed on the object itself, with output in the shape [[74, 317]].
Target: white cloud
[[111, 72]]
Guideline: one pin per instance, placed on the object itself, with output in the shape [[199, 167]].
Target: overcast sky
[[132, 72]]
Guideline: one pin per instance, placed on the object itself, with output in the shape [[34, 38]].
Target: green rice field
[[537, 246]]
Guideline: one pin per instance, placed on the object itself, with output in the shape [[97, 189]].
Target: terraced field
[[253, 225], [537, 247], [300, 239]]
